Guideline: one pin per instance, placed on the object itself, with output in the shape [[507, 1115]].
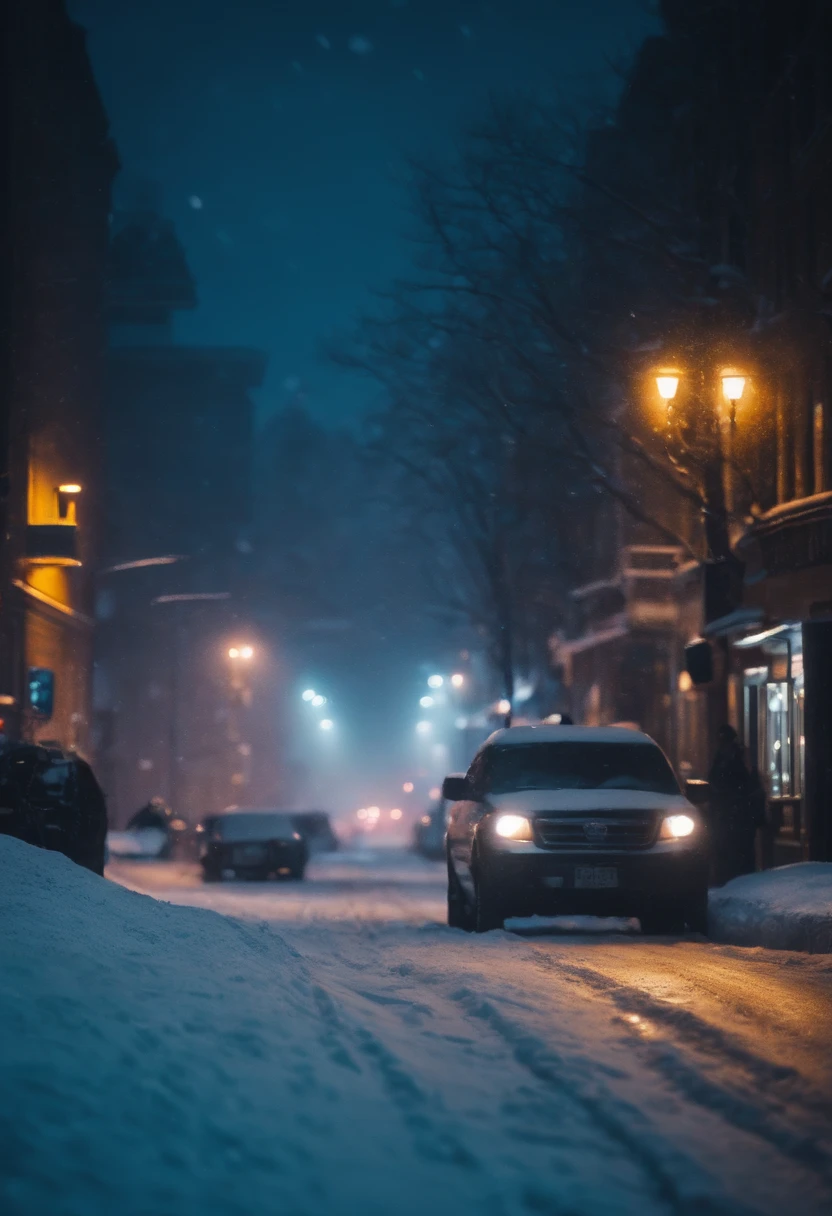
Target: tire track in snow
[[674, 1179], [765, 1098]]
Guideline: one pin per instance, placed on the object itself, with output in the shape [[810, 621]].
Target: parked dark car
[[568, 820], [252, 844], [50, 798], [316, 830]]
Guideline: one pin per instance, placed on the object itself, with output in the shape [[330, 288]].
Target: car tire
[[459, 913], [488, 908]]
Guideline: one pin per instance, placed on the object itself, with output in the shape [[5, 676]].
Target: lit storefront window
[[778, 739]]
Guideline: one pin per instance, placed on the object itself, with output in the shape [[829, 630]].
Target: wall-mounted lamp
[[66, 495]]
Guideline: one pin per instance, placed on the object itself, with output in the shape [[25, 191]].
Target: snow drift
[[789, 908], [159, 1060]]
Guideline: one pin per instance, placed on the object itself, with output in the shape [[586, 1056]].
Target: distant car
[[50, 797], [429, 833], [316, 830], [568, 820], [252, 844]]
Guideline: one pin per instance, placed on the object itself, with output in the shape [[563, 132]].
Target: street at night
[[533, 1071], [416, 608]]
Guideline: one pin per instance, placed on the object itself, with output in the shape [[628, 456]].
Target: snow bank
[[167, 1060], [789, 908]]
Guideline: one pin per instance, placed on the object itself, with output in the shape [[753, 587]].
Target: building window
[[778, 740], [819, 448]]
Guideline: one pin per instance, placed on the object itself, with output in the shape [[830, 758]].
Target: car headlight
[[513, 827], [675, 827]]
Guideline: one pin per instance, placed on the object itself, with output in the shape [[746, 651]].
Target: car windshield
[[578, 766], [253, 825]]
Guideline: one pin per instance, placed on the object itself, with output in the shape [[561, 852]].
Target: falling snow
[[360, 45]]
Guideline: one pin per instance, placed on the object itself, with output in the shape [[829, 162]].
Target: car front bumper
[[544, 882]]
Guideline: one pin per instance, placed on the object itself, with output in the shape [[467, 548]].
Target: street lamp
[[246, 653], [426, 702], [668, 385], [457, 679], [733, 387], [326, 724], [435, 681], [309, 695]]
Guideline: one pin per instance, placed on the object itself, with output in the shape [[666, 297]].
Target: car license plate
[[249, 852], [595, 877]]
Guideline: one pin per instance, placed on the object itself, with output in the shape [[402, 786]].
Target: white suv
[[572, 819]]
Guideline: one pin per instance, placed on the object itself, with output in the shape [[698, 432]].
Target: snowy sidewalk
[[789, 908]]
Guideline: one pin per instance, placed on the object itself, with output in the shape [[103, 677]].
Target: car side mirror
[[698, 792], [456, 788]]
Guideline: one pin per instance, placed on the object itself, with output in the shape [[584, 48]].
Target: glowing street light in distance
[[309, 695], [373, 812], [408, 787], [457, 679], [233, 652], [504, 706], [361, 813], [423, 728], [426, 702], [435, 793], [246, 652], [326, 724], [435, 681], [395, 813], [318, 701]]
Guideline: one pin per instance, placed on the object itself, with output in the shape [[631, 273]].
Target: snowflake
[[323, 41], [465, 30], [196, 202], [360, 45]]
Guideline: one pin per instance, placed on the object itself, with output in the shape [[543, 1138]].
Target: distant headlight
[[513, 827], [676, 826]]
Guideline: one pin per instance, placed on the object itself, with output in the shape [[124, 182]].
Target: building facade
[[59, 165], [732, 106], [172, 598]]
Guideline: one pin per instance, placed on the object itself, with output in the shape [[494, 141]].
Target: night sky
[[277, 132]]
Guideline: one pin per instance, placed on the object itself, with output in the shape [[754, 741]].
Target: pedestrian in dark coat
[[735, 795]]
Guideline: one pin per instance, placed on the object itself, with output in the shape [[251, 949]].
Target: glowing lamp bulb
[[435, 681], [733, 387], [668, 386], [457, 679]]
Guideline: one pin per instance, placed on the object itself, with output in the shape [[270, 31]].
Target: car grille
[[601, 832]]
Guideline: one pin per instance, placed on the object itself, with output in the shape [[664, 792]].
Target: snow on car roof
[[568, 734]]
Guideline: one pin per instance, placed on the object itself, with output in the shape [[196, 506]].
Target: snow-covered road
[[331, 1048], [542, 1072]]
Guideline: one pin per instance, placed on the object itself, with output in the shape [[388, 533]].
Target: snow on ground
[[789, 908], [331, 1048]]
